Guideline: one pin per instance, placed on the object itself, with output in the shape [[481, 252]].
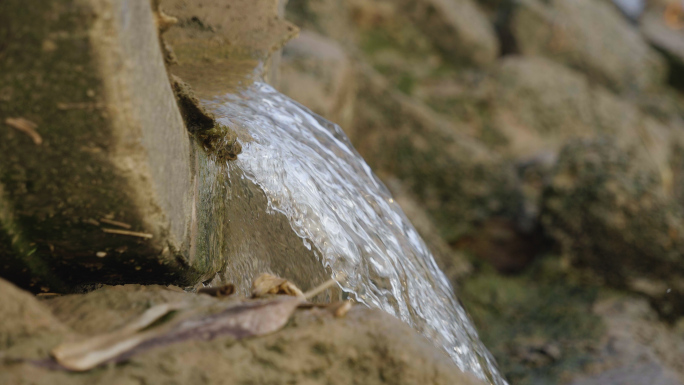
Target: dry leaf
[[87, 354], [270, 284], [26, 126], [240, 320]]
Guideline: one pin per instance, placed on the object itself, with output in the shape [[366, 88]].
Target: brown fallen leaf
[[241, 320], [86, 354], [26, 126], [218, 292], [270, 284]]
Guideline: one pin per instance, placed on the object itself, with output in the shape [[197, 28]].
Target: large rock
[[457, 27], [559, 105], [590, 36], [459, 180], [366, 346], [636, 348], [316, 72], [217, 52], [95, 177], [611, 212], [668, 40], [101, 181]]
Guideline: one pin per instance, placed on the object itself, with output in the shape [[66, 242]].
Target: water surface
[[310, 172]]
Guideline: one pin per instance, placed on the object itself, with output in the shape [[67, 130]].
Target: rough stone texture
[[457, 27], [613, 214], [218, 48], [590, 36], [668, 40], [217, 52], [23, 318], [460, 182], [113, 147], [90, 76], [540, 105], [636, 348], [366, 346], [316, 72]]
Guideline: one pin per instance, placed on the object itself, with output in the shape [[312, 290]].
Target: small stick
[[125, 232], [79, 106], [115, 223], [26, 126], [324, 286]]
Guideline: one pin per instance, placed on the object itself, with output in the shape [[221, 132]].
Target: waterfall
[[310, 172]]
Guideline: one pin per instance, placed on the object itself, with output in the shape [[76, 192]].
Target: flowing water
[[310, 172]]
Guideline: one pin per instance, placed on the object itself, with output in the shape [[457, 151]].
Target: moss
[[537, 325], [215, 137]]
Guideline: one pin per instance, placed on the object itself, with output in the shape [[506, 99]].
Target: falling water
[[310, 172]]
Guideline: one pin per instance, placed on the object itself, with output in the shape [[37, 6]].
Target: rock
[[131, 201], [590, 36], [538, 324], [98, 188], [636, 348], [316, 72], [460, 182], [25, 321], [668, 40], [235, 229], [329, 18], [558, 104], [457, 27], [611, 212], [365, 346]]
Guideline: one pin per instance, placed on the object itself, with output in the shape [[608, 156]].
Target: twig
[[125, 232], [26, 126], [115, 223], [324, 286]]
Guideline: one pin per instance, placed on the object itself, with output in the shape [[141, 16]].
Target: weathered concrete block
[[100, 180], [104, 193]]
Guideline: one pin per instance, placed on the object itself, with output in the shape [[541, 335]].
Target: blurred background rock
[[538, 148]]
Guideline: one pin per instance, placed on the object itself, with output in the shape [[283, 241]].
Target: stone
[[102, 181], [590, 36], [316, 72], [459, 180], [612, 213], [218, 52], [460, 30], [636, 348], [111, 175], [668, 40], [365, 346]]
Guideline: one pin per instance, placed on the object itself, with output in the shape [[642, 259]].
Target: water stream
[[310, 172]]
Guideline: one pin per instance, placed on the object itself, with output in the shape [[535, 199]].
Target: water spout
[[309, 172]]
